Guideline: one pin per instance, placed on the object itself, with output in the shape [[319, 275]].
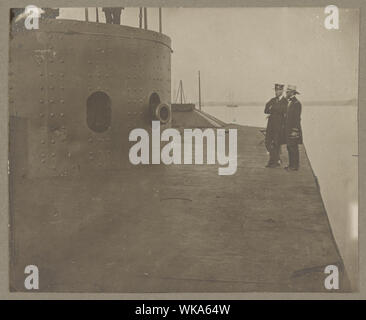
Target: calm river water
[[331, 142]]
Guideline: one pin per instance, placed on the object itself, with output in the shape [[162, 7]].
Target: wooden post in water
[[160, 21], [199, 90], [145, 18], [86, 15], [97, 15]]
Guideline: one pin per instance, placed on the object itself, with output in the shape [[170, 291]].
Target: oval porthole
[[98, 111]]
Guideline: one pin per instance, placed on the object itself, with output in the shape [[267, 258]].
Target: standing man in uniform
[[113, 15], [293, 128], [276, 108]]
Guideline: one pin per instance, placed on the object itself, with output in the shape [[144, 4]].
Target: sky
[[242, 52]]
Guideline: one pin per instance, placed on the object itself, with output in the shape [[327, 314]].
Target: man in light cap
[[293, 130], [276, 108]]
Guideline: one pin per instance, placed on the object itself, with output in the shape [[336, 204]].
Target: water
[[331, 141]]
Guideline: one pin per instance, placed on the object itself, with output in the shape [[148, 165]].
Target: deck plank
[[177, 228]]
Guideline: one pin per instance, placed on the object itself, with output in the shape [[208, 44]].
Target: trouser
[[293, 154], [113, 17], [108, 17], [117, 17], [274, 153]]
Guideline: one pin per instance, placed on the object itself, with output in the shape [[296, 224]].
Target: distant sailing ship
[[231, 105]]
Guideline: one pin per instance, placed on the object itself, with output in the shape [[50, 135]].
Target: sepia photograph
[[162, 150]]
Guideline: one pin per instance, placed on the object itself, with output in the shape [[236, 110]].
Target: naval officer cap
[[279, 86], [292, 88]]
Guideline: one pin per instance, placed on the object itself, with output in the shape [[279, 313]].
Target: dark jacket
[[275, 132], [293, 121]]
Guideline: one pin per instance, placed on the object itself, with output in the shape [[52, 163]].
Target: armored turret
[[77, 88]]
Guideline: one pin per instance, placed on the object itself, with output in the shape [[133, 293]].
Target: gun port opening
[[98, 112]]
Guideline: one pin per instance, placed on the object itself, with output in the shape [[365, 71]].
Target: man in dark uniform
[[276, 108], [293, 128], [113, 15]]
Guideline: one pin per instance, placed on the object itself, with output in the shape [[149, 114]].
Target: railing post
[[86, 15], [145, 18], [97, 15], [160, 21], [140, 18]]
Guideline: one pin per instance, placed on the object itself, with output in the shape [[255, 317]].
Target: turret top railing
[[113, 16]]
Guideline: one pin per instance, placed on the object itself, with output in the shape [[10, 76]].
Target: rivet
[[53, 141], [52, 114]]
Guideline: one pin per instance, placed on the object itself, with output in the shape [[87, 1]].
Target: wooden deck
[[177, 228]]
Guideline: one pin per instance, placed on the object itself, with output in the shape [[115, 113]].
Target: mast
[[181, 91], [199, 90]]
